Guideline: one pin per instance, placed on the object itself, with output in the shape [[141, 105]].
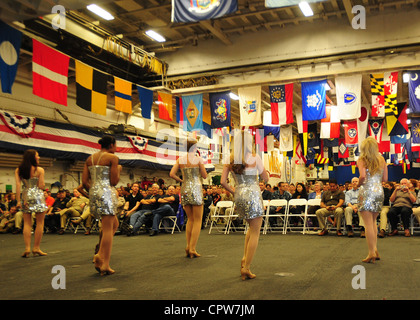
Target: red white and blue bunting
[[20, 125]]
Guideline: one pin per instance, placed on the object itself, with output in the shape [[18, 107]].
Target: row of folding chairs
[[224, 215]]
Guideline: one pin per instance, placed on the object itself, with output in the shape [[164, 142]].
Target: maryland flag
[[390, 93], [91, 88], [377, 90]]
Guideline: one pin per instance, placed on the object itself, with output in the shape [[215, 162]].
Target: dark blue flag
[[146, 101], [10, 40], [220, 109], [313, 100], [196, 10], [414, 91]]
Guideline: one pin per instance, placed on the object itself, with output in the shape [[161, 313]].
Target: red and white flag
[[351, 136], [49, 73], [281, 100], [330, 126]]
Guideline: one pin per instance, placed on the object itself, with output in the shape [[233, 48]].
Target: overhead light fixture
[[100, 12], [233, 96], [306, 9], [406, 77], [155, 36], [327, 86]]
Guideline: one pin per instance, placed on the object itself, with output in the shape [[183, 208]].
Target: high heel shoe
[[194, 254], [97, 262], [377, 255], [38, 253], [369, 259], [25, 254], [187, 252], [107, 272], [246, 274]]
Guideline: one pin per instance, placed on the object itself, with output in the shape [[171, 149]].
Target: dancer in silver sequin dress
[[101, 173], [372, 170], [247, 195], [193, 171], [32, 200]]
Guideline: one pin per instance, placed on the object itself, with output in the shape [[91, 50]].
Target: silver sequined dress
[[32, 196], [371, 193], [103, 197], [191, 188], [248, 199]]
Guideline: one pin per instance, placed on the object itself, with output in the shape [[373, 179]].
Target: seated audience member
[[383, 218], [168, 206], [52, 217], [300, 193], [132, 203], [351, 208], [7, 220], [416, 208], [283, 194], [316, 194], [207, 199], [147, 205], [331, 204], [402, 203], [74, 208], [266, 195], [12, 201]]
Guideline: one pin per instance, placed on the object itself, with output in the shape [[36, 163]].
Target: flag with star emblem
[[193, 112], [350, 132], [281, 100]]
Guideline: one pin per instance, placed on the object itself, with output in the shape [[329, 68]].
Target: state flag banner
[[350, 132], [146, 101], [343, 150], [348, 92], [286, 138], [10, 41], [376, 130], [220, 109], [390, 94], [123, 89], [281, 100], [91, 88], [414, 91], [396, 121], [313, 100], [250, 106], [270, 128], [165, 106], [49, 73], [197, 10], [313, 136], [193, 112], [330, 125], [378, 95], [415, 135]]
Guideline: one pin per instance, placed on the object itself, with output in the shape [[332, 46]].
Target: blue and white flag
[[399, 139], [313, 100], [285, 3], [414, 91], [220, 109], [192, 106], [146, 101], [10, 40], [196, 10]]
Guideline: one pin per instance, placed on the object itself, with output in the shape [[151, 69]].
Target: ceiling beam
[[216, 31]]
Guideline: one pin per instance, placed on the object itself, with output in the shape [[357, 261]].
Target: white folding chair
[[275, 203], [222, 213], [173, 219], [311, 202], [301, 215]]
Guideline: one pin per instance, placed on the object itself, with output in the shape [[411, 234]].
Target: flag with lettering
[[220, 109], [414, 91], [330, 125], [348, 92], [192, 106], [250, 106], [281, 100], [313, 100], [49, 73], [197, 10], [10, 41]]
